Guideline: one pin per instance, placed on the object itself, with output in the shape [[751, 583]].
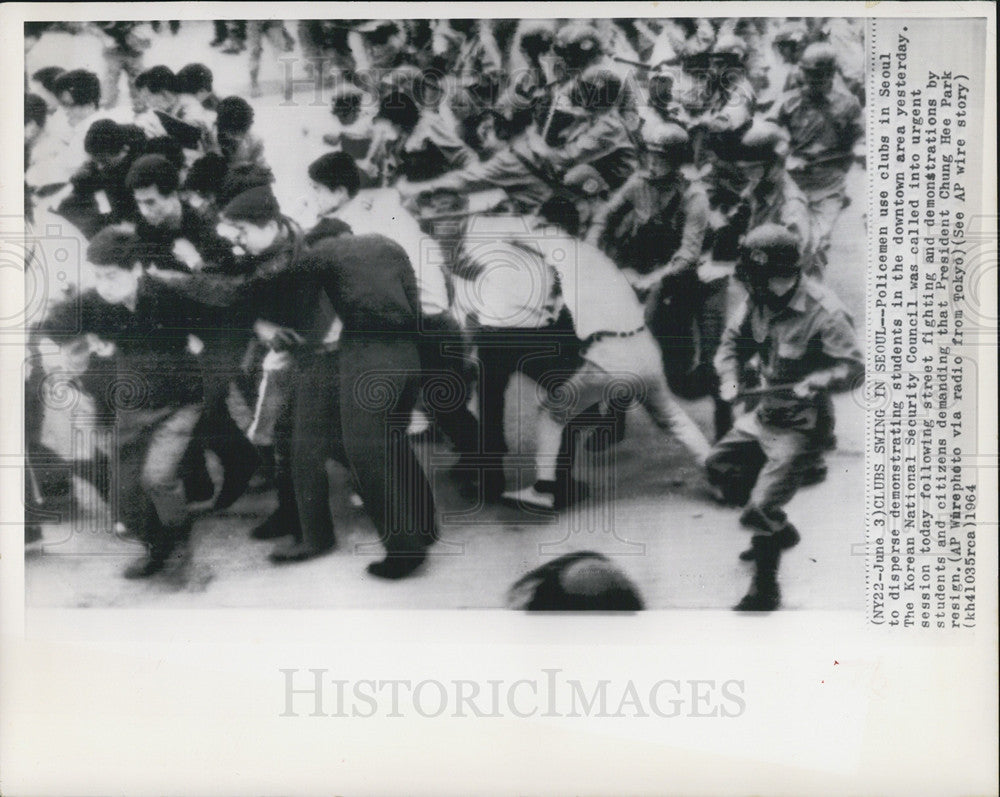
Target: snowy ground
[[680, 548]]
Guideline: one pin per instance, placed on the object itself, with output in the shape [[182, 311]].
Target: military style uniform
[[811, 333], [823, 134]]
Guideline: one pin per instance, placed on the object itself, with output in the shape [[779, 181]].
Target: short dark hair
[[234, 115], [104, 137], [168, 147], [84, 87], [157, 79], [206, 174], [153, 170], [336, 170], [194, 78], [47, 77], [35, 110], [117, 246]]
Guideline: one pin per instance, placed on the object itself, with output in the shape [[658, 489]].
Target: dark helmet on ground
[[820, 58], [578, 44], [767, 251], [597, 89], [580, 581]]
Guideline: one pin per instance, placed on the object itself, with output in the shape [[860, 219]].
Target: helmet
[[665, 137], [819, 57], [585, 180], [536, 38], [791, 32], [347, 98], [661, 88], [405, 79], [730, 44], [769, 250], [597, 89], [578, 44], [579, 581], [668, 143], [762, 143]]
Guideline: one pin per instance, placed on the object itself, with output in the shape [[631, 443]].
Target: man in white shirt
[[508, 297], [621, 361]]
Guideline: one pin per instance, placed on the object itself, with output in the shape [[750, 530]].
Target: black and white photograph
[[539, 313], [498, 398]]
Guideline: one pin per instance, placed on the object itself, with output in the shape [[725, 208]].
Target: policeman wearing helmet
[[805, 343]]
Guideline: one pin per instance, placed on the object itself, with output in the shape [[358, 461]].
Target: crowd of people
[[574, 201]]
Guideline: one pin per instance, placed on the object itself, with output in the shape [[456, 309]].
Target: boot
[[764, 595], [297, 551], [786, 537], [168, 550], [280, 523], [153, 562], [285, 519], [397, 565]]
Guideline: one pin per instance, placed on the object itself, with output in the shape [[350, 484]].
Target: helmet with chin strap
[[768, 251]]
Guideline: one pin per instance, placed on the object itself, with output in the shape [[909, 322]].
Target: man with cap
[[268, 243], [806, 344], [826, 126], [157, 395], [361, 416]]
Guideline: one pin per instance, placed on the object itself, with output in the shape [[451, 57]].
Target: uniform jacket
[[813, 332]]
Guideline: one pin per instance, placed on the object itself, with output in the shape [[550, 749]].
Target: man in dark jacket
[[100, 197], [157, 394], [177, 237], [354, 406]]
